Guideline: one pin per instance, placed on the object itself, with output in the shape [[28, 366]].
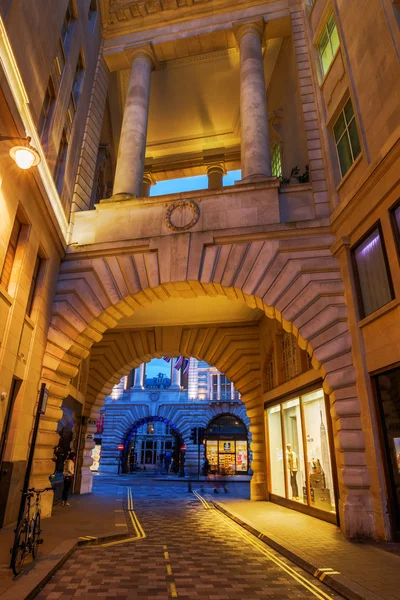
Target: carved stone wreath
[[154, 396], [181, 204]]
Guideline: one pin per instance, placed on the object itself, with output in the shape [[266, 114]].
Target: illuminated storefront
[[299, 454], [227, 446]]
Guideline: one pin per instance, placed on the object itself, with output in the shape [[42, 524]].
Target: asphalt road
[[180, 548]]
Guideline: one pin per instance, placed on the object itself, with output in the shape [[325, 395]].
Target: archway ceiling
[[233, 349], [191, 311]]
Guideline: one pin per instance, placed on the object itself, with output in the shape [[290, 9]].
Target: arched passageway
[[296, 281]]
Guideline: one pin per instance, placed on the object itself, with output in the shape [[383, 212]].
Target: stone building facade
[[100, 277], [153, 419]]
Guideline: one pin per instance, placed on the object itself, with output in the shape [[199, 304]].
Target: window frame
[[18, 223], [275, 150], [36, 275], [346, 132], [395, 225], [61, 162], [359, 301], [325, 31]]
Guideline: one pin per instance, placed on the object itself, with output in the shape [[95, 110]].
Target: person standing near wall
[[68, 473]]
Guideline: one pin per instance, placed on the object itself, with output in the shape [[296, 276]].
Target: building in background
[[154, 421]]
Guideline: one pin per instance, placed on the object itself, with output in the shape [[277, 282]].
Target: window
[[346, 138], [270, 374], [225, 388], [299, 453], [78, 78], [92, 13], [328, 44], [66, 28], [10, 254], [47, 108], [289, 356], [59, 61], [59, 171], [32, 291], [373, 278], [396, 223], [276, 161]]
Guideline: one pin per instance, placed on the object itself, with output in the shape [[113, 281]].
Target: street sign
[[44, 401], [183, 448], [120, 446]]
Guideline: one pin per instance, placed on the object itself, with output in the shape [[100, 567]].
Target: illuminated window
[[396, 223], [328, 44], [373, 278], [346, 138], [276, 161], [289, 356], [67, 28], [10, 254], [150, 428]]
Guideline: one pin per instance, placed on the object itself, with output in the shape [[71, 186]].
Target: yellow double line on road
[[317, 592], [139, 531]]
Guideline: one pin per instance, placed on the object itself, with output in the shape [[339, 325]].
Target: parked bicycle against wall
[[28, 532]]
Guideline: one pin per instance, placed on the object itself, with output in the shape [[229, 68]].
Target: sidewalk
[[365, 570], [97, 515]]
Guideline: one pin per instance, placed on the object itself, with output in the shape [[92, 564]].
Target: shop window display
[[294, 450], [276, 451], [299, 455]]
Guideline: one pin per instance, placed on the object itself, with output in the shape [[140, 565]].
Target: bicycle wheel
[[35, 537], [20, 548]]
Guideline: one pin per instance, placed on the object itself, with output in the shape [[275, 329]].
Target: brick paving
[[189, 553], [374, 568]]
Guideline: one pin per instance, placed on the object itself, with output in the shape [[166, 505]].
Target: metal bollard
[[189, 487]]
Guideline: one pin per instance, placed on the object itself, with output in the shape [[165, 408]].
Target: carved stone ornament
[[154, 396], [188, 208]]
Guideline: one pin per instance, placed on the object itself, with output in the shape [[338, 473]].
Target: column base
[[175, 387], [118, 198], [256, 179]]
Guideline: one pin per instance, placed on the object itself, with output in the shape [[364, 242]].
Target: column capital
[[148, 178], [342, 243], [216, 167], [142, 51], [244, 26]]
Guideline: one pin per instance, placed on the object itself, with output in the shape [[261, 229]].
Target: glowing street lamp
[[25, 156]]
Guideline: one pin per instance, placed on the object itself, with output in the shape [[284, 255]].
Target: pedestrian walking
[[68, 473]]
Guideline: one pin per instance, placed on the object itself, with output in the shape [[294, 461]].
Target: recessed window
[[67, 26], [47, 108], [78, 78], [34, 282], [328, 44], [10, 254], [374, 283], [59, 61], [92, 14], [346, 138], [276, 161], [61, 163], [396, 223]]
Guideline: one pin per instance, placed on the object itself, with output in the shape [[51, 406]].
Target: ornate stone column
[[138, 383], [255, 151], [132, 144], [175, 377], [146, 184], [215, 174]]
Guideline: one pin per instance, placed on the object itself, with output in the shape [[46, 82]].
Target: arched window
[[289, 356], [226, 424]]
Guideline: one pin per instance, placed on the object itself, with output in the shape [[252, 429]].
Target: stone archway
[[118, 433], [294, 280]]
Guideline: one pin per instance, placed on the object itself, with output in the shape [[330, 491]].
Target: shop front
[[227, 446], [300, 471], [387, 387]]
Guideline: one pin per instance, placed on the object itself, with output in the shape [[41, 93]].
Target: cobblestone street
[[189, 551]]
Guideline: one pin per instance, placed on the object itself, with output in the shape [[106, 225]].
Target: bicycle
[[27, 534]]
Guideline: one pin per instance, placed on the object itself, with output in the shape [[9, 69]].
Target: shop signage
[[92, 421], [89, 436]]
